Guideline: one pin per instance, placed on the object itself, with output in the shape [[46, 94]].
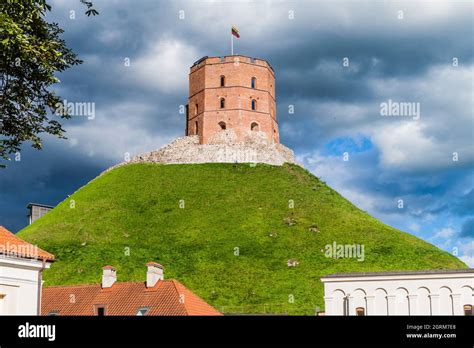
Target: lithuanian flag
[[235, 32]]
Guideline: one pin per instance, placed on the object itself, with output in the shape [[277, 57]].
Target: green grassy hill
[[231, 241]]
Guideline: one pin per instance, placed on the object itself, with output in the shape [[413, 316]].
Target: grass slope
[[132, 215]]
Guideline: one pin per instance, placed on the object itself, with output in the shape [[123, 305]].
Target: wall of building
[[19, 286], [433, 294]]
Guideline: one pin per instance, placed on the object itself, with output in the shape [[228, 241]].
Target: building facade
[[234, 93], [21, 267], [442, 292]]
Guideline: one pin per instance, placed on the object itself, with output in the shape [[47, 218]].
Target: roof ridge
[[98, 284], [174, 281]]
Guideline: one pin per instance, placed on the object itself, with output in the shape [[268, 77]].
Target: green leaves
[[31, 53]]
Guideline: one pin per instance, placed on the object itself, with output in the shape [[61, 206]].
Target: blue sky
[[399, 51]]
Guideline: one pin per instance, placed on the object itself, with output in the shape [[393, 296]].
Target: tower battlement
[[231, 94]]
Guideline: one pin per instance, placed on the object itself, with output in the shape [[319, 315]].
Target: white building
[[21, 267], [434, 292]]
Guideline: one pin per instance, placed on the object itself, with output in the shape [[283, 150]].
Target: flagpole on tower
[[233, 32]]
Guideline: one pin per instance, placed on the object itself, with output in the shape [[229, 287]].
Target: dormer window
[[222, 81], [468, 310], [100, 310], [222, 103], [143, 311]]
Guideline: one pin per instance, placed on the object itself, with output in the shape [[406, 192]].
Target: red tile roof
[[12, 245], [167, 297]]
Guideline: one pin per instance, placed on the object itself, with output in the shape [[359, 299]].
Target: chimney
[[109, 276], [153, 274]]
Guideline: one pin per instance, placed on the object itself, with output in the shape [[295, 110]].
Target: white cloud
[[468, 260], [164, 67], [444, 233], [109, 136]]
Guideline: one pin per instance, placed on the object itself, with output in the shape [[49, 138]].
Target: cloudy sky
[[336, 63]]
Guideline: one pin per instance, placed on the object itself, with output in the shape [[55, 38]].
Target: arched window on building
[[196, 109], [253, 82], [360, 311], [222, 103], [222, 125], [196, 127], [222, 81], [468, 310], [254, 104], [254, 127]]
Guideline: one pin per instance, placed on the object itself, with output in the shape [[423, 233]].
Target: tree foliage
[[31, 53]]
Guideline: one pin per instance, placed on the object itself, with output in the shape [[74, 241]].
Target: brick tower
[[231, 95]]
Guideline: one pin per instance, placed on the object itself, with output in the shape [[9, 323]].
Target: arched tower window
[[222, 81], [196, 127], [222, 125], [254, 127], [196, 109], [360, 311], [222, 103], [254, 104], [253, 82]]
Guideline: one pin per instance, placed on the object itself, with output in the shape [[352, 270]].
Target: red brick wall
[[205, 91]]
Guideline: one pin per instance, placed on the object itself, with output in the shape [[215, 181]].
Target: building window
[[253, 82], [196, 127], [222, 81], [254, 104], [222, 103], [196, 109], [222, 125], [254, 127], [53, 313], [468, 310], [143, 311], [360, 311], [3, 310], [100, 311]]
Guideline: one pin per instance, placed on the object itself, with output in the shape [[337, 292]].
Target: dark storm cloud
[[462, 206], [137, 106]]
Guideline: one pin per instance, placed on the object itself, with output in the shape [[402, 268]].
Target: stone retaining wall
[[187, 150]]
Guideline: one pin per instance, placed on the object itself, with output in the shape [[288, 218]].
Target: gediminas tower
[[231, 93]]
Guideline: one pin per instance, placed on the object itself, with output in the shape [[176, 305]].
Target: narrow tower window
[[254, 104], [222, 81], [254, 127], [222, 125], [196, 109], [222, 103], [196, 127], [253, 82]]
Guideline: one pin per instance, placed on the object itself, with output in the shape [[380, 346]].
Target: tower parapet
[[233, 98]]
